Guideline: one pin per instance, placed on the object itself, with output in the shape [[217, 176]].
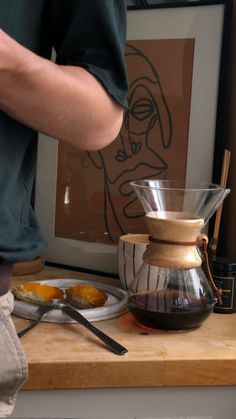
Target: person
[[79, 98]]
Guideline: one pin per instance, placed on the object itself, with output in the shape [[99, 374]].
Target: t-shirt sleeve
[[91, 34]]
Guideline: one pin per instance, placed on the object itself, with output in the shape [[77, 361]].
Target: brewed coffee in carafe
[[171, 290]]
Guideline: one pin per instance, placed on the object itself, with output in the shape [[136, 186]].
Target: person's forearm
[[66, 103]]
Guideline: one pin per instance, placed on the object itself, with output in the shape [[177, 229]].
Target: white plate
[[115, 305]]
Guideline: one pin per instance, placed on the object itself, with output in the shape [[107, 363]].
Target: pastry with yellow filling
[[37, 293], [85, 296]]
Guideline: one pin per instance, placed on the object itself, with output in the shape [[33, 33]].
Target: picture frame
[[199, 24]]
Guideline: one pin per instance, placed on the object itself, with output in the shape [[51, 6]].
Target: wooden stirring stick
[[223, 181]]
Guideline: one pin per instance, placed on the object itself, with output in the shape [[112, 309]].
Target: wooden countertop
[[63, 356]]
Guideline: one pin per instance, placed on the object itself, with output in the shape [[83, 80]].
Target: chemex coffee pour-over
[[171, 290]]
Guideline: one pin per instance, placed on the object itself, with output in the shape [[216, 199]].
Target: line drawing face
[[136, 153]]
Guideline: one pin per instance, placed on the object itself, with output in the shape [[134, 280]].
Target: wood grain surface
[[64, 356]]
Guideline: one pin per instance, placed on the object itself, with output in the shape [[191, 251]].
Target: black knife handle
[[113, 345]]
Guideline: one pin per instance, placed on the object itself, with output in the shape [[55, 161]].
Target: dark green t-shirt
[[85, 33]]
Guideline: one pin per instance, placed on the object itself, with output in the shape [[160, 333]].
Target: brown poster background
[[95, 201]]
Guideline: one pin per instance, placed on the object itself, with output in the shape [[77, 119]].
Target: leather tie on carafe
[[154, 240], [202, 242]]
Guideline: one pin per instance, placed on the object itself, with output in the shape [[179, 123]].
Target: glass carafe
[[171, 290]]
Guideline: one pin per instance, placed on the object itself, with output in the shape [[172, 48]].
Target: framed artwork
[[84, 201]]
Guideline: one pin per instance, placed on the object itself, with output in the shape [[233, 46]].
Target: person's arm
[[64, 102]]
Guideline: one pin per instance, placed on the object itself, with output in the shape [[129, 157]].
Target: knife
[[112, 344]]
